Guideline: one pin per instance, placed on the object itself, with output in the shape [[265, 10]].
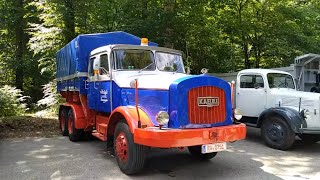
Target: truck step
[[99, 136]]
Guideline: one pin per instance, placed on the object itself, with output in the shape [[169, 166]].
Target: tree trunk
[[69, 20], [246, 54], [20, 44], [169, 7]]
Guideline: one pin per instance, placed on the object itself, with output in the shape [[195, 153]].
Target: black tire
[[130, 156], [63, 121], [314, 89], [74, 134], [195, 151], [309, 138], [277, 133]]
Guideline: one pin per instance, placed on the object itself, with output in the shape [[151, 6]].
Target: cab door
[[99, 97], [92, 87], [103, 103], [251, 94]]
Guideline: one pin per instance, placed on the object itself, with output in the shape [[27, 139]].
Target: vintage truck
[[135, 95], [268, 99]]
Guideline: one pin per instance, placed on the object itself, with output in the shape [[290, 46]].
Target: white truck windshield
[[130, 59], [278, 80]]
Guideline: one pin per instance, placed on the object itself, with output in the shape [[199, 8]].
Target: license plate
[[216, 147]]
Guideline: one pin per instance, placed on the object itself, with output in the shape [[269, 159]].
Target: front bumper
[[170, 138]]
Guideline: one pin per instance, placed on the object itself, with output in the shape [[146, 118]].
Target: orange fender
[[129, 114], [79, 117]]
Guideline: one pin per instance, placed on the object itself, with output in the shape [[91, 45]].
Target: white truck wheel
[[277, 133]]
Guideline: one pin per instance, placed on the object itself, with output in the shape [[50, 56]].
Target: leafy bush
[[11, 101], [51, 99]]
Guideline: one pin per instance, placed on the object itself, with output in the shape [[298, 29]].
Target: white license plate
[[216, 147]]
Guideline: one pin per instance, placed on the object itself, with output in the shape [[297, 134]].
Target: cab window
[[104, 64], [131, 59], [251, 81], [91, 66]]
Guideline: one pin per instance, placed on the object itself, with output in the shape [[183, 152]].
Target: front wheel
[[130, 156], [195, 151], [277, 133]]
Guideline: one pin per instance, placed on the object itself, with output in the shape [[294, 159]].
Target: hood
[[291, 98], [147, 79], [294, 93]]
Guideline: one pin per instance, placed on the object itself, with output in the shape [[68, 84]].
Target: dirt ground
[[28, 126]]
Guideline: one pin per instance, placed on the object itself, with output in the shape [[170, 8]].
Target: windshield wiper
[[146, 67]]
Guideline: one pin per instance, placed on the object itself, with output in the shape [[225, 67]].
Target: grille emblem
[[208, 101]]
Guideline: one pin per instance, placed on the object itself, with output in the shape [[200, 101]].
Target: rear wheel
[[130, 156], [310, 138], [277, 133], [195, 151], [63, 121], [74, 134]]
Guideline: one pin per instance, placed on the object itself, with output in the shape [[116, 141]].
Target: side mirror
[[96, 64], [188, 71]]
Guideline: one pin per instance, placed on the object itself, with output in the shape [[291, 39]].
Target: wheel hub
[[122, 147], [275, 132]]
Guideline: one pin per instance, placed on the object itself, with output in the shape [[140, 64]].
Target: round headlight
[[162, 118], [237, 114]]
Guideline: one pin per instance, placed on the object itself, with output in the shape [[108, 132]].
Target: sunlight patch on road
[[288, 167], [21, 162]]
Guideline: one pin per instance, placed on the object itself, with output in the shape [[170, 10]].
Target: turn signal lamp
[[237, 114], [144, 42]]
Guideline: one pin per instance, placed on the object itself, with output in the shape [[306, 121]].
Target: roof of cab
[[122, 46], [261, 71]]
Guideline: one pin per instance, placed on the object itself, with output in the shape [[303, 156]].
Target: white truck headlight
[[162, 118], [237, 114], [305, 113]]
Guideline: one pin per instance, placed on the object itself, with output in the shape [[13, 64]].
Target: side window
[[259, 82], [251, 81], [91, 66], [104, 64]]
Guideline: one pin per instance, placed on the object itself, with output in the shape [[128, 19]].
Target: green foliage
[[222, 36], [11, 101], [51, 99]]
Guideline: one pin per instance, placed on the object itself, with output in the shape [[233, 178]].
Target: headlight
[[162, 118], [237, 114], [305, 113]]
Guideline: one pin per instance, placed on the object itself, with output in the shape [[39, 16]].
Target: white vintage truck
[[268, 99]]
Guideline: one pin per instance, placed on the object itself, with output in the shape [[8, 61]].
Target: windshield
[[278, 80], [169, 62], [131, 59]]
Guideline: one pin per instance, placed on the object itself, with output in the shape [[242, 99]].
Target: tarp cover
[[74, 56]]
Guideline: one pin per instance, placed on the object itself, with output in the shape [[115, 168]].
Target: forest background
[[221, 35]]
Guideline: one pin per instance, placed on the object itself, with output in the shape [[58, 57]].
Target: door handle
[[94, 85], [86, 84]]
